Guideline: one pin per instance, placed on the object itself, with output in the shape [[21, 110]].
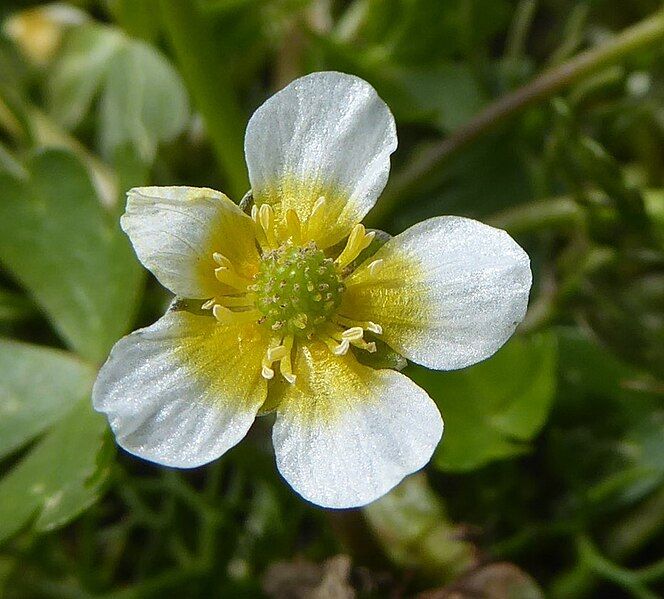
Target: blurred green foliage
[[500, 404], [552, 463]]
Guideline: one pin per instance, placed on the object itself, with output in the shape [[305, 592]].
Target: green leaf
[[449, 92], [142, 98], [491, 410], [7, 565], [59, 477], [14, 306], [60, 244], [79, 72], [143, 102], [654, 205], [38, 386], [621, 450]]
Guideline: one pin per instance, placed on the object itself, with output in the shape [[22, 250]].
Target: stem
[[596, 562], [651, 573], [211, 87], [622, 542], [573, 34], [638, 529], [549, 83], [516, 38], [556, 212]]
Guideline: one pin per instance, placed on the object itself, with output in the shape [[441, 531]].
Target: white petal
[[345, 434], [327, 134], [175, 231], [182, 391], [451, 291]]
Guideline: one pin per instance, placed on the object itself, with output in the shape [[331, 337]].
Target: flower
[[287, 299]]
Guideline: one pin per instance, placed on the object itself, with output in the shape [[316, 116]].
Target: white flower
[[284, 303]]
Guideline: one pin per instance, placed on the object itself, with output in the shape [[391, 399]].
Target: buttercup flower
[[287, 300]]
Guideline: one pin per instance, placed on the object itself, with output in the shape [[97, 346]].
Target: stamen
[[230, 301], [226, 316], [266, 219], [221, 260], [279, 351], [365, 324], [337, 347], [260, 234], [229, 277], [315, 219], [209, 304], [266, 371], [362, 344], [358, 240], [340, 340], [353, 334], [276, 353], [293, 226], [375, 267], [266, 365], [342, 348], [285, 365]]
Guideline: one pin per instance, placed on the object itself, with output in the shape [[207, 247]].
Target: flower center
[[296, 292], [297, 289]]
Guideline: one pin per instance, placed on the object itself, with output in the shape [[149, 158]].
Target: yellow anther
[[358, 240], [221, 260], [266, 370], [375, 267], [209, 304], [367, 325], [366, 346], [260, 234], [231, 278], [353, 334], [285, 365], [373, 327], [293, 226], [226, 316], [342, 348], [266, 219], [316, 218], [230, 301], [338, 348], [276, 353], [279, 351]]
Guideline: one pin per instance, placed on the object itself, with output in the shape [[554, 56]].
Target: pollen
[[297, 289]]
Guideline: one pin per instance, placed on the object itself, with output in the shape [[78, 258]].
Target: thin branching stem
[[546, 85]]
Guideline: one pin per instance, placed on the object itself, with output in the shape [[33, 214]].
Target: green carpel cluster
[[297, 289]]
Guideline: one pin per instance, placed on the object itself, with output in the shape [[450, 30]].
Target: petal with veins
[[325, 135], [184, 390], [345, 434], [449, 293], [176, 230]]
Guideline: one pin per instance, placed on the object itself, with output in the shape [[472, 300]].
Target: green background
[[542, 117]]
